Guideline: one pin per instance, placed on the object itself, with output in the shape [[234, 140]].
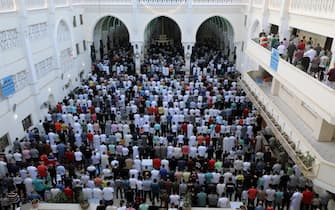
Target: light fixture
[[49, 89], [15, 116]]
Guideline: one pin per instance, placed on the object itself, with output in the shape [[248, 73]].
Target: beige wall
[[315, 37]]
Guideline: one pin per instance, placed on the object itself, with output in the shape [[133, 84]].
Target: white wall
[[29, 100]]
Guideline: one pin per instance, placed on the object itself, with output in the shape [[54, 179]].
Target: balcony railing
[[35, 4], [162, 2], [322, 169], [102, 2], [159, 2], [61, 3], [312, 91], [275, 4], [321, 8], [218, 2], [7, 6], [258, 3]]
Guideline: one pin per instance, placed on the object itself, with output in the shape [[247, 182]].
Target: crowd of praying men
[[164, 140]]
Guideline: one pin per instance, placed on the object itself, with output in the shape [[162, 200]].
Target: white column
[[187, 54], [332, 61], [138, 44], [265, 17], [23, 34], [138, 53], [275, 87], [284, 31], [245, 60]]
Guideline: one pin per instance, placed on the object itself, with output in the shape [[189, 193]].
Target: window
[[21, 80], [27, 122], [77, 48], [74, 21], [81, 19], [4, 142], [84, 45]]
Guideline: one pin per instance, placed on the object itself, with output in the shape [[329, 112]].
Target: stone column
[[26, 46], [284, 30], [332, 61], [138, 53], [187, 55], [265, 17], [275, 87]]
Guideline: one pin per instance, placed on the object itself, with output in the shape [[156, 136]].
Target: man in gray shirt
[[147, 187]]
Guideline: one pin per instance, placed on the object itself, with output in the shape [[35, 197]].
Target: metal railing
[[7, 6]]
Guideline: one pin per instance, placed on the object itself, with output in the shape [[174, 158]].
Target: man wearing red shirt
[[245, 112], [59, 107], [185, 150], [42, 170], [44, 158], [210, 121], [68, 193], [69, 155], [184, 128], [307, 197], [207, 139], [156, 163], [252, 193], [217, 128], [301, 45], [211, 164], [89, 138]]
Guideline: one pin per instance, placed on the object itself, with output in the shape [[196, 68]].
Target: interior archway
[[110, 34], [214, 43], [162, 38], [216, 32], [111, 45]]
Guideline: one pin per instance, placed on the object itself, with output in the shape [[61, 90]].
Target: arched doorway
[[162, 43], [216, 32], [214, 44], [111, 44]]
